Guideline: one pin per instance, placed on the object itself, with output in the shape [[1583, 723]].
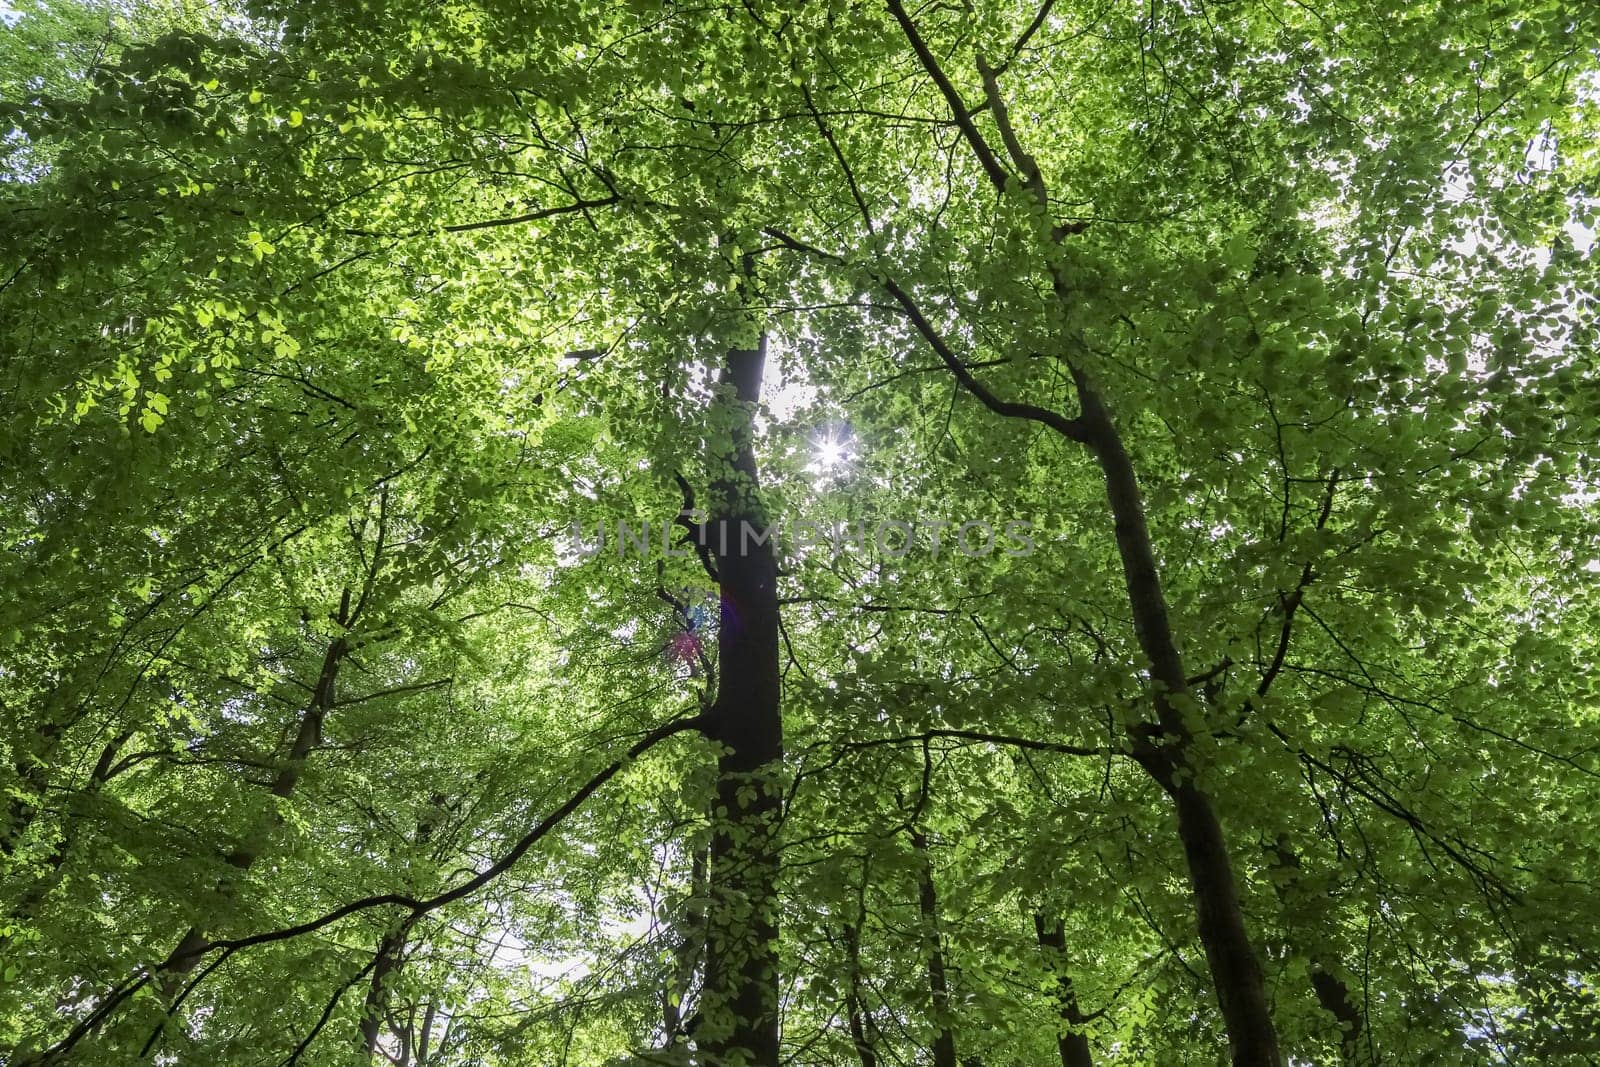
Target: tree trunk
[[944, 1039], [192, 945], [1164, 752], [1334, 996], [32, 772], [855, 1013], [1073, 1043], [30, 899], [691, 939], [391, 953], [392, 947], [1332, 993], [739, 1011]]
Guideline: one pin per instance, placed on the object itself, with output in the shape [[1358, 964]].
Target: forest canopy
[[864, 532]]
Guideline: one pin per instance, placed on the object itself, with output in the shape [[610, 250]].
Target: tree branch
[[986, 738], [986, 156], [416, 907], [1072, 429]]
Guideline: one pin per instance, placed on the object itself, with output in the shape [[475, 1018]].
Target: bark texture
[[740, 1006]]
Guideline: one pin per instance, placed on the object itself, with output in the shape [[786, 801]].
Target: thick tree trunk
[[1073, 1043], [944, 1039], [1165, 754], [739, 1012], [1241, 989]]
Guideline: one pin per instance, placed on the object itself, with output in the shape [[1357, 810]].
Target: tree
[[1188, 405]]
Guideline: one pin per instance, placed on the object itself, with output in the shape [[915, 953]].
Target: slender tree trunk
[[186, 956], [32, 770], [425, 1033], [390, 956], [944, 1039], [1073, 1043], [1332, 993], [692, 937], [1165, 755], [855, 1014], [739, 1010], [858, 1031], [392, 948], [29, 900], [1334, 996]]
